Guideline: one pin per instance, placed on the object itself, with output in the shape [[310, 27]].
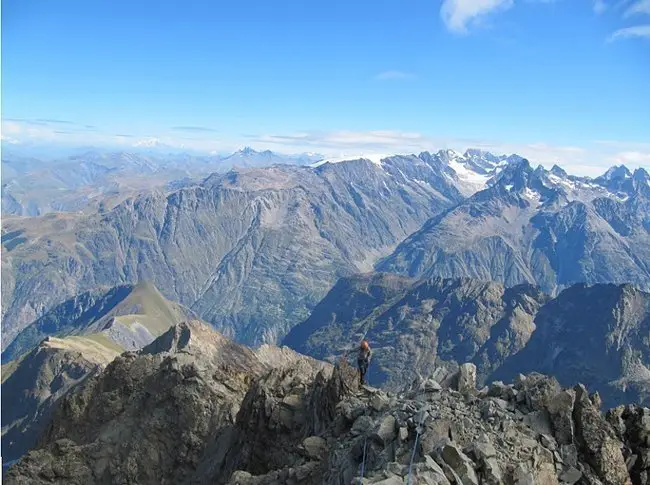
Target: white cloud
[[640, 159], [639, 7], [637, 31], [457, 14], [592, 159], [335, 142], [394, 75], [27, 132]]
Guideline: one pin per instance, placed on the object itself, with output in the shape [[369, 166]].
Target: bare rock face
[[527, 228], [251, 251], [32, 386], [597, 441], [149, 415], [632, 426], [438, 321], [467, 379], [596, 335], [195, 408]]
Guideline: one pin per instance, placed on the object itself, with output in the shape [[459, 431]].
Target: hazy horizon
[[553, 81]]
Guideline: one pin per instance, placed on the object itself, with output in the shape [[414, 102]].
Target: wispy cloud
[[346, 140], [54, 121], [194, 129], [458, 14], [394, 75], [24, 121], [591, 159], [632, 158], [636, 31], [48, 122], [639, 7]]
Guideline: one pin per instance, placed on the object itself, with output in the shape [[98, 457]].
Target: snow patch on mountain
[[467, 175], [532, 195]]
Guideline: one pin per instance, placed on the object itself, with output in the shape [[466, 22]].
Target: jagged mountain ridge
[[531, 226], [249, 251], [419, 325], [596, 335], [396, 194], [62, 348], [197, 408], [131, 316], [33, 384]]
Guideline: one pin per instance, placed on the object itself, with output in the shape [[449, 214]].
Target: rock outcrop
[[32, 385], [195, 408], [61, 349]]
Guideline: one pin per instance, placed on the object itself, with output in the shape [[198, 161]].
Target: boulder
[[570, 475], [460, 463], [597, 441], [428, 472], [387, 430], [315, 447], [379, 401], [362, 425], [560, 408], [436, 433], [485, 455], [467, 379], [430, 385]]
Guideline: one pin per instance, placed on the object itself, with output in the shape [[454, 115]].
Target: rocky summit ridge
[[194, 407]]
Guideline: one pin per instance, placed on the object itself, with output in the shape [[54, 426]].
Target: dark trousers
[[363, 369]]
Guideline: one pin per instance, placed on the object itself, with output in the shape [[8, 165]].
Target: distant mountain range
[[537, 226], [439, 259], [94, 179], [253, 250]]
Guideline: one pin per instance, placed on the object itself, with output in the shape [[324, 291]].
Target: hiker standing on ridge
[[363, 360]]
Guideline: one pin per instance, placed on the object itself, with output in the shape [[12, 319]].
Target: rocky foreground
[[194, 407]]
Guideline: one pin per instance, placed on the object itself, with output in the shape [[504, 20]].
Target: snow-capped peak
[[476, 168]]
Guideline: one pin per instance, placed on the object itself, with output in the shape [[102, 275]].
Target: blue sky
[[565, 80]]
